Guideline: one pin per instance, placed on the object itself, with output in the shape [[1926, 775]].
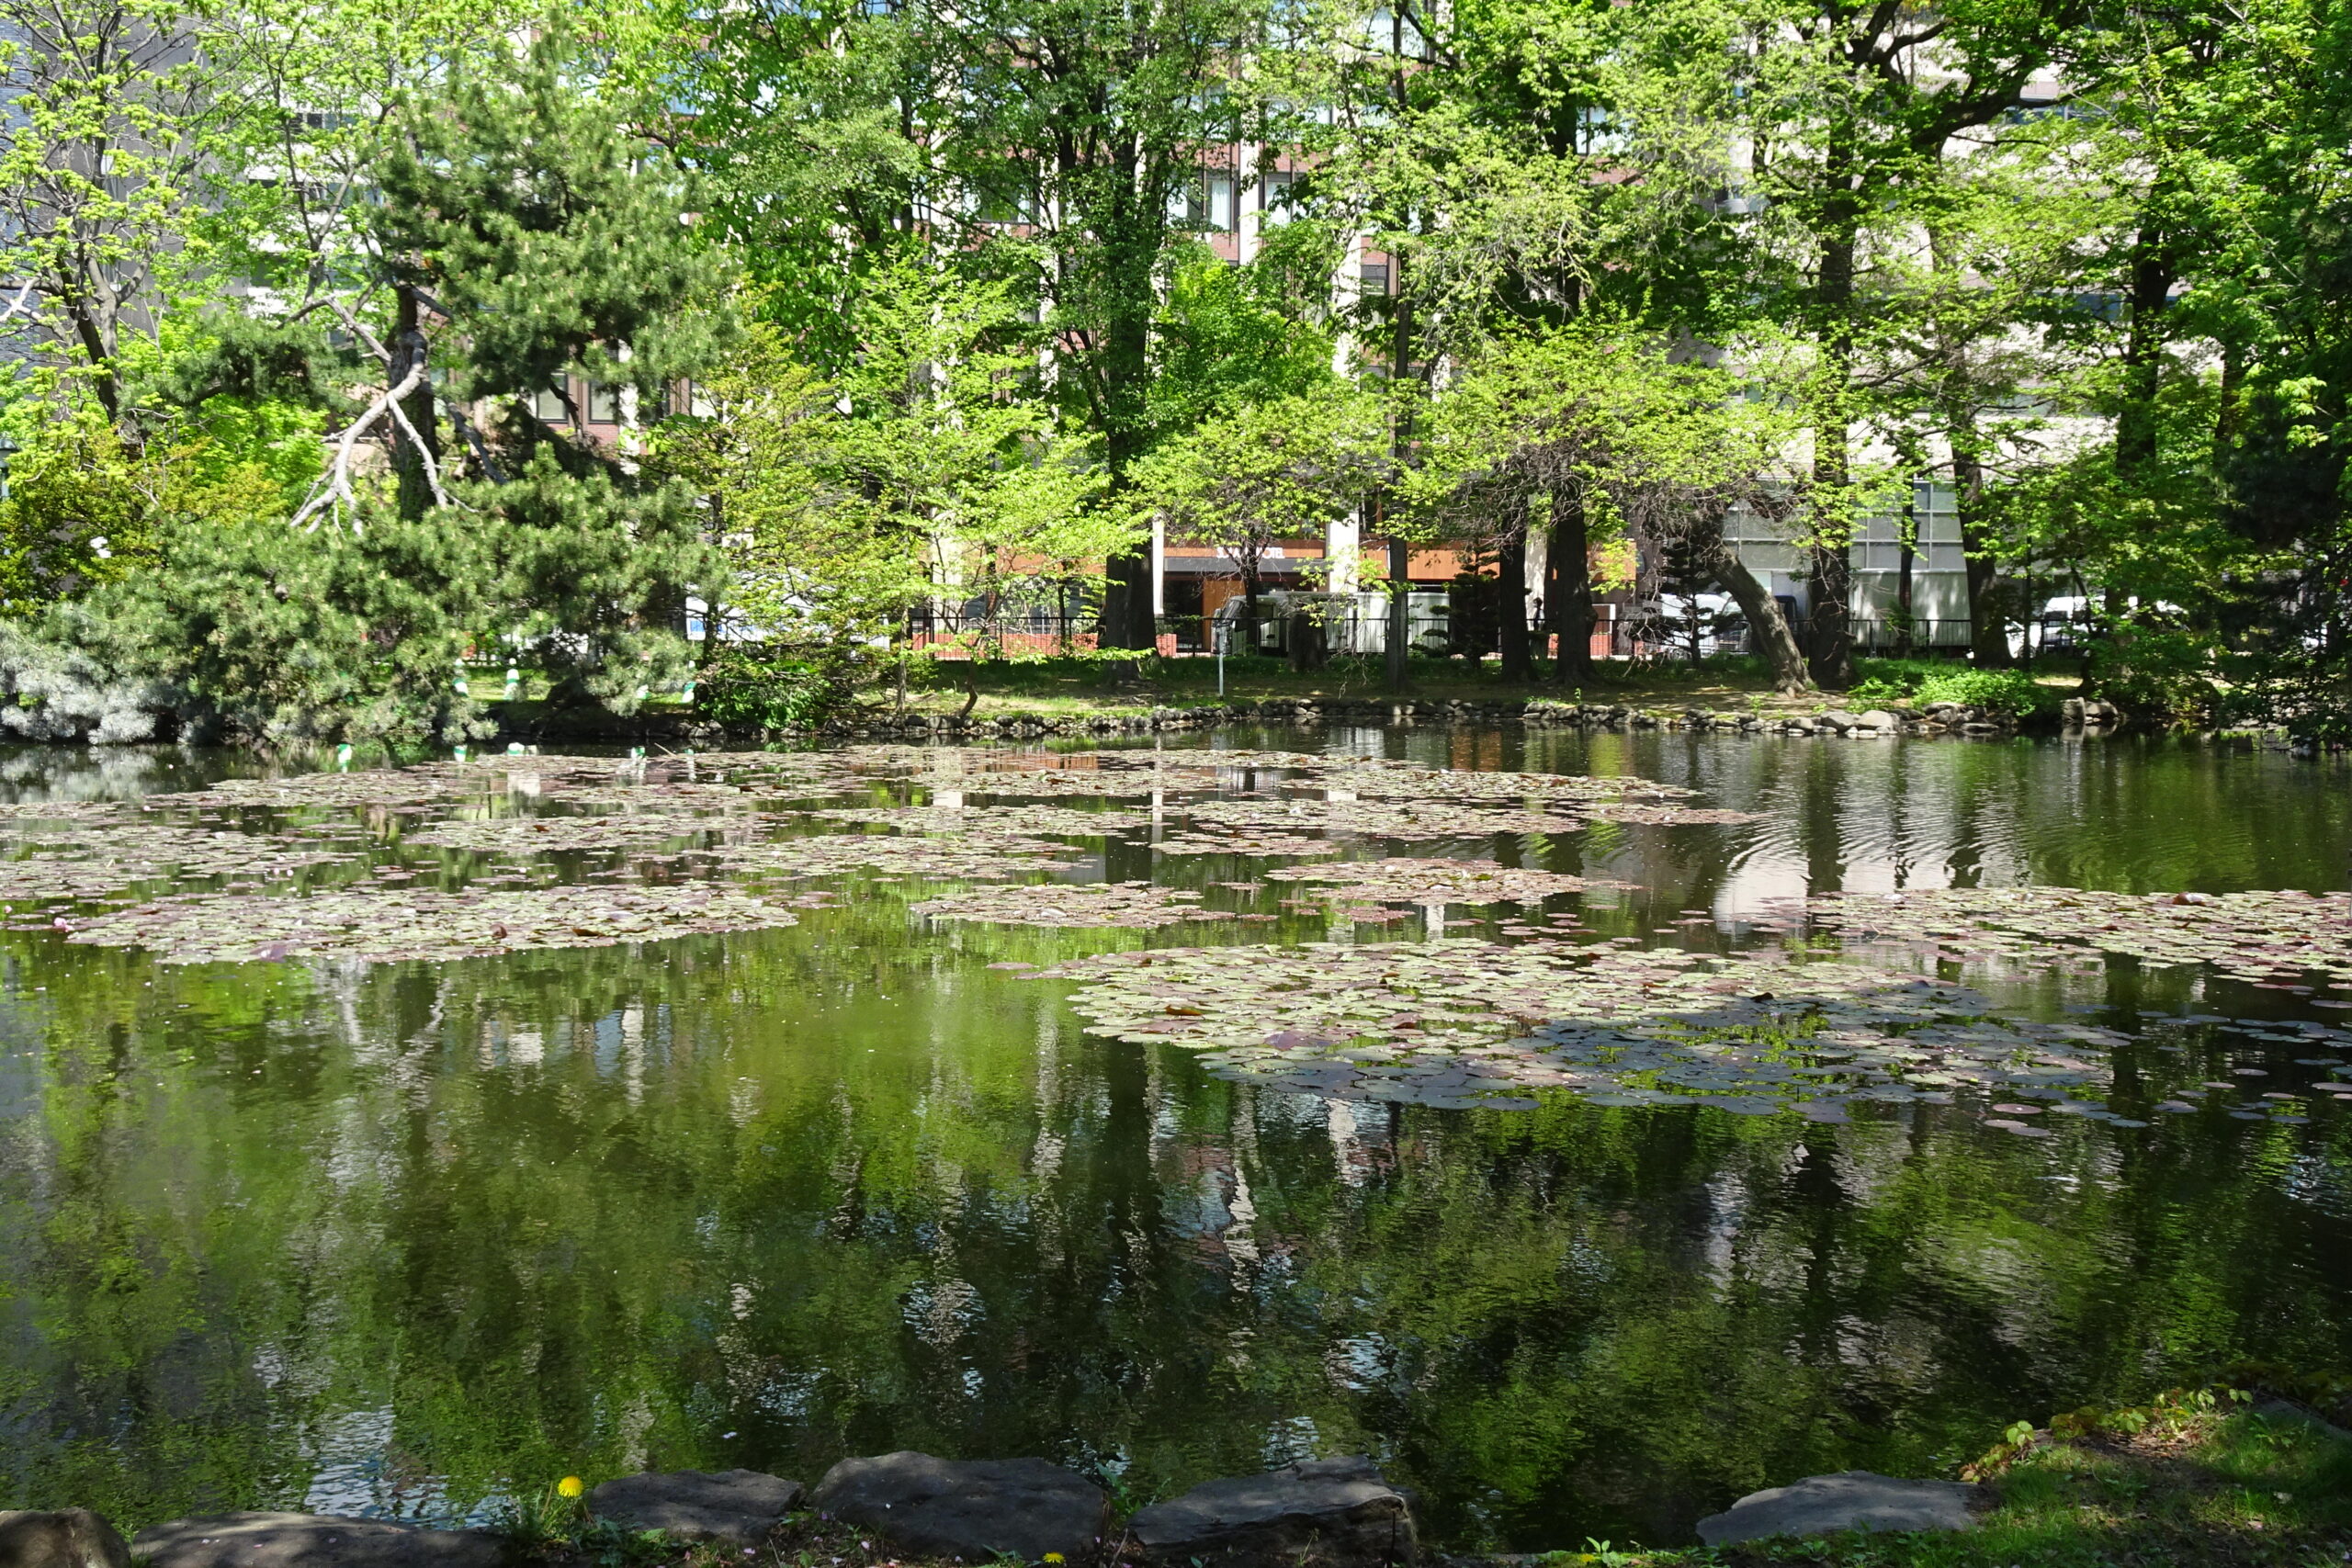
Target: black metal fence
[[1363, 628]]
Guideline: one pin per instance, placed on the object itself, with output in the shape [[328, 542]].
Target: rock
[[975, 1510], [61, 1538], [1877, 718], [739, 1506], [1850, 1500], [1335, 1511], [1838, 719], [312, 1540]]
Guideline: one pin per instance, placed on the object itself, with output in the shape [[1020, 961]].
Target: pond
[[388, 1142]]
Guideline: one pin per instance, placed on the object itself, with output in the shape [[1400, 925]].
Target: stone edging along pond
[[1332, 1513], [1940, 718]]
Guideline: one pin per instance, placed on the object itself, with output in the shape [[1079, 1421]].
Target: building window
[[1204, 202], [1277, 195], [603, 403], [1376, 277], [548, 405]]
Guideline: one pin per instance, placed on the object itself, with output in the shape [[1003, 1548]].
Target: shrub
[[763, 686], [1920, 683]]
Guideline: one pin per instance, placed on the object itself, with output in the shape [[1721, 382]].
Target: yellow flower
[[571, 1486], [1053, 1559]]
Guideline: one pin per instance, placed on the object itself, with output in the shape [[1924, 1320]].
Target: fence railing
[[1363, 629]]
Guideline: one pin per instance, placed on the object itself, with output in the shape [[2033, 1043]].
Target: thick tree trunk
[[1400, 555], [1988, 629], [1906, 553], [1567, 593], [1124, 379], [1511, 569], [1765, 622]]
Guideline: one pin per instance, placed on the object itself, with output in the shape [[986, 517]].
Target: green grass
[[2191, 1482]]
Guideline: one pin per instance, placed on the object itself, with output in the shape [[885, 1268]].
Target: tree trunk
[[1829, 615], [1906, 553], [1771, 628], [1568, 590], [1510, 570], [2143, 354], [1988, 631], [1400, 555], [415, 493], [1400, 622], [1126, 376], [1250, 584]]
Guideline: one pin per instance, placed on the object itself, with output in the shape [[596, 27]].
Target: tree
[[534, 242], [925, 465], [1268, 471], [1824, 122], [1053, 142], [1593, 430]]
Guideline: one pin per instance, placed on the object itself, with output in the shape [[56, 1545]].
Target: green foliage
[[1279, 469], [1920, 681], [928, 460], [759, 686], [277, 636], [1228, 340], [552, 237]]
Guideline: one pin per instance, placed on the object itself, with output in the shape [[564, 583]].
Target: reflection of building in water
[[1361, 1138]]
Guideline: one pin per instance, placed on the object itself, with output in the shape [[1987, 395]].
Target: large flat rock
[[1850, 1500], [312, 1540], [739, 1506], [975, 1510], [60, 1538], [1333, 1511]]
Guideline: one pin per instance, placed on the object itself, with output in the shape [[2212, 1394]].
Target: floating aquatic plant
[[1405, 880], [1062, 905], [1053, 821], [378, 925], [2249, 935], [1459, 1022]]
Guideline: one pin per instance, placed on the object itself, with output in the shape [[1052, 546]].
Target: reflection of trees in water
[[839, 1189], [587, 1211]]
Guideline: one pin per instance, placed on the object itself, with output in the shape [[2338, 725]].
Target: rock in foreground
[[1850, 1500], [975, 1510], [1333, 1511], [61, 1538], [739, 1506], [312, 1540]]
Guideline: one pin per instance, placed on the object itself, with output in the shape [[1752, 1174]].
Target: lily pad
[[384, 925], [1062, 905]]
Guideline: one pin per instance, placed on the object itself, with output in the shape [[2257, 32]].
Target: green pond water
[[405, 1238]]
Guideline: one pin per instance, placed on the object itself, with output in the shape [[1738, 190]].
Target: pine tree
[[530, 240]]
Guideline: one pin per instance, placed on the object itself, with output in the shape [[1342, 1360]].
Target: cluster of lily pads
[[1062, 906], [1402, 879], [1445, 1021], [1459, 1022], [2253, 936], [376, 927]]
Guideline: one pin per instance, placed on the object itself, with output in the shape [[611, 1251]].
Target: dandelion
[[1053, 1559], [571, 1486]]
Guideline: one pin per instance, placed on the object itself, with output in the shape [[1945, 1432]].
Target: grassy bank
[[2192, 1483], [2195, 1481], [1095, 683]]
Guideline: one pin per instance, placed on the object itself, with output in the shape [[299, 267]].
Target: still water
[[400, 1239]]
